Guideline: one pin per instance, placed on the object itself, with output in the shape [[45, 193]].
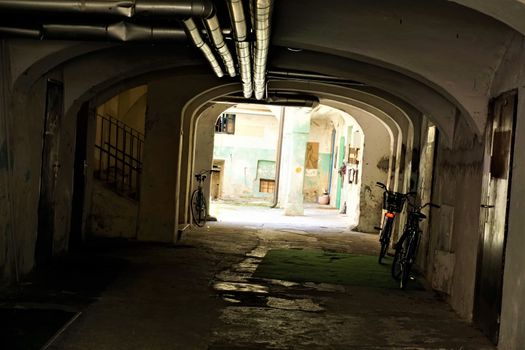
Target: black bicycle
[[199, 210], [393, 203], [406, 247]]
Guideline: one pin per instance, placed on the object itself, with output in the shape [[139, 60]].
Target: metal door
[[494, 208], [49, 171]]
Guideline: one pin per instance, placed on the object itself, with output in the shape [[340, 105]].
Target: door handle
[[487, 206]]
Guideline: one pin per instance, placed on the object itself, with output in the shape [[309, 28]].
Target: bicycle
[[393, 203], [406, 247], [198, 202]]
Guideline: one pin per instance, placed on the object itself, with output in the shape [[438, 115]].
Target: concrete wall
[[376, 166], [166, 185], [512, 326], [458, 174], [129, 107]]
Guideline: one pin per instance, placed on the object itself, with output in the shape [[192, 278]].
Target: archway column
[[167, 155]]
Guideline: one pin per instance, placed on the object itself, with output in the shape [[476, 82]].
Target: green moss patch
[[326, 267]]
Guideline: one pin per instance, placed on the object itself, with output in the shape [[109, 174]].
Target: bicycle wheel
[[385, 239], [410, 257], [396, 264], [198, 208]]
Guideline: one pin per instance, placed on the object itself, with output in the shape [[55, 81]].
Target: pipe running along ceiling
[[119, 20]]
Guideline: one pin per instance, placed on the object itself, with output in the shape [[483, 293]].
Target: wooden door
[[494, 208], [49, 171], [215, 184]]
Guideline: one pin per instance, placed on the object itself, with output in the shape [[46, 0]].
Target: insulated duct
[[196, 37], [215, 34], [115, 8], [262, 13], [240, 32]]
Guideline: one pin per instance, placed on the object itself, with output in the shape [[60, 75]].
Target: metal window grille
[[266, 186], [118, 156]]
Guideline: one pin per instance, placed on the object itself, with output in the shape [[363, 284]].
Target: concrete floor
[[200, 295]]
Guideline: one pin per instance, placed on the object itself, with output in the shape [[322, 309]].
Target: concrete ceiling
[[438, 56], [450, 48]]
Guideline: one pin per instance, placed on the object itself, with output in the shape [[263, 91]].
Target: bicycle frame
[[393, 203], [198, 202], [408, 244]]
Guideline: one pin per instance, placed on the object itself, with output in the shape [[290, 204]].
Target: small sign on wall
[[312, 155]]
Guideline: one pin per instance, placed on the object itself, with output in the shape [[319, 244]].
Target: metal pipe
[[240, 34], [215, 34], [278, 160], [174, 8], [262, 13], [196, 37], [120, 32], [118, 8], [30, 33], [304, 76], [277, 100]]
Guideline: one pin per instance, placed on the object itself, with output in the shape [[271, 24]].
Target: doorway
[[216, 179], [494, 214], [80, 178], [49, 170]]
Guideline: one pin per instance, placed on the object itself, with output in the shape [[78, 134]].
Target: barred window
[[266, 185], [225, 124]]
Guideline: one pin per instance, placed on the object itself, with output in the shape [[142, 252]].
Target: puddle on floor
[[240, 287], [259, 252]]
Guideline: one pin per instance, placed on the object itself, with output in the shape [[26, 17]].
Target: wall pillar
[[297, 130], [168, 148]]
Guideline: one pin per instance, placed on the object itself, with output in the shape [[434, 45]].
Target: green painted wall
[[242, 169], [314, 186]]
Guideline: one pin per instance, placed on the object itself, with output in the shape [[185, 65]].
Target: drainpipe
[[279, 156], [240, 32]]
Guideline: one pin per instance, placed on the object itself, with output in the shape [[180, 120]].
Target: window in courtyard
[[266, 186], [225, 124]]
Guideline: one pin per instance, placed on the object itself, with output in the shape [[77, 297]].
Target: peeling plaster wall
[[27, 121], [376, 149], [316, 180], [511, 75]]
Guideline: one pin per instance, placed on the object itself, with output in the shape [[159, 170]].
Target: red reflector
[[390, 215]]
